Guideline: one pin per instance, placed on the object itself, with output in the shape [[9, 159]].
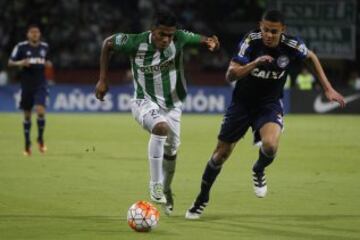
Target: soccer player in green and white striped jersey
[[160, 88]]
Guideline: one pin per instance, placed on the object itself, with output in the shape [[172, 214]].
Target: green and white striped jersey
[[158, 75]]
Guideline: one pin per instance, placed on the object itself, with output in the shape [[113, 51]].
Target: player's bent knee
[[27, 115], [269, 148], [221, 155], [222, 152], [160, 129], [40, 110]]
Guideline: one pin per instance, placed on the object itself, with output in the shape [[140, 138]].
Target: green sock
[[169, 164]]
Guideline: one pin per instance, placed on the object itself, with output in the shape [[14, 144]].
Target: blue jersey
[[34, 76], [265, 83]]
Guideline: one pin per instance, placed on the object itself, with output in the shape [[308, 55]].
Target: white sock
[[156, 155]]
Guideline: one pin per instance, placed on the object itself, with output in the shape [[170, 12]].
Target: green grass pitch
[[96, 167]]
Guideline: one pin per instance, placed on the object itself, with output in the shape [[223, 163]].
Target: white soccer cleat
[[192, 216], [195, 211], [157, 194], [260, 187], [260, 192]]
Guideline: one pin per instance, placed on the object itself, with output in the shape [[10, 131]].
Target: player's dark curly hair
[[164, 17], [273, 16]]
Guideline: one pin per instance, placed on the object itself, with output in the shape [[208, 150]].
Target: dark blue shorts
[[239, 117], [32, 97]]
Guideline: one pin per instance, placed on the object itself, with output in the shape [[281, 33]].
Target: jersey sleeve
[[124, 42], [16, 53], [188, 38], [301, 51], [244, 50]]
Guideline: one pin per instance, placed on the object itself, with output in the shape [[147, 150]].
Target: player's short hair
[[32, 25], [164, 17], [273, 16]]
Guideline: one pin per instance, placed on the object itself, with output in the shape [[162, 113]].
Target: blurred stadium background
[[75, 30]]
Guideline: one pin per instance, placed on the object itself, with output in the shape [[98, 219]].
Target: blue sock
[[27, 127], [211, 172], [41, 127]]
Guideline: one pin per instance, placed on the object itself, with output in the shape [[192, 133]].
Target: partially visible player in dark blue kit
[[259, 69], [31, 56]]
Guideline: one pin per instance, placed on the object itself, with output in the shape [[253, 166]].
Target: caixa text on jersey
[[256, 72]]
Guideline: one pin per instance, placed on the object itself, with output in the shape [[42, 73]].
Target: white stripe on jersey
[[243, 48], [16, 48], [15, 51], [254, 36], [293, 42], [158, 87], [44, 44], [140, 62], [172, 75], [245, 44], [299, 46], [290, 42], [22, 43]]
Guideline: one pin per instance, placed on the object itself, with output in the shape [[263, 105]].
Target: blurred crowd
[[75, 29]]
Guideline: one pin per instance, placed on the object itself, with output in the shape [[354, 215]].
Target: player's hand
[[212, 43], [264, 60], [333, 95], [101, 90], [24, 63]]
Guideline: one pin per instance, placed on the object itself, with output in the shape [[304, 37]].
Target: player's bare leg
[[40, 110], [213, 168], [27, 129], [270, 136], [156, 154]]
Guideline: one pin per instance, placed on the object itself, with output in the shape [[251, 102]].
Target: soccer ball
[[142, 216]]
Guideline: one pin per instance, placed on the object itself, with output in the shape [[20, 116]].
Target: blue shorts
[[36, 96], [239, 117]]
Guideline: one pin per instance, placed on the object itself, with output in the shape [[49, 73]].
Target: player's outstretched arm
[[212, 43], [237, 71], [102, 84], [332, 95]]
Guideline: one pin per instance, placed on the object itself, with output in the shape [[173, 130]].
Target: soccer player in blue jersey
[[259, 68], [31, 56]]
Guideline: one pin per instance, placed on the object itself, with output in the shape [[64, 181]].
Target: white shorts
[[148, 114]]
